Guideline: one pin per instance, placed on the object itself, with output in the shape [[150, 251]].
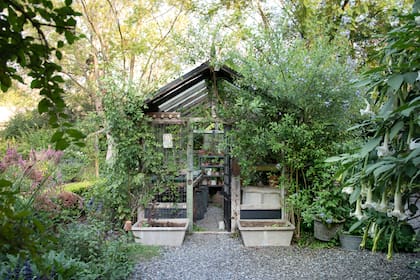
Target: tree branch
[[159, 43], [94, 28], [119, 30], [34, 23]]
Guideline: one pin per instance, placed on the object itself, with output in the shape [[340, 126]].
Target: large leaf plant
[[384, 173]]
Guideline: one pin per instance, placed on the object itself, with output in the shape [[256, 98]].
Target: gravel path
[[212, 219], [220, 256]]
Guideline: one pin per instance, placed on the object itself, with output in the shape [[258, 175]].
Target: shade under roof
[[187, 91]]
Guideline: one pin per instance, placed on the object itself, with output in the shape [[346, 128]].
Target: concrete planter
[[326, 232], [257, 233], [265, 197], [350, 242], [169, 232]]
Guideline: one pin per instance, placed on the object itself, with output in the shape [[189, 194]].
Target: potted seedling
[[329, 211]]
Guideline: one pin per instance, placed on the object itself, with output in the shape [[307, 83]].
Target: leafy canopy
[[25, 43]]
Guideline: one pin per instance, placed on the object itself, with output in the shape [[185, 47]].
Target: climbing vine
[[136, 170]]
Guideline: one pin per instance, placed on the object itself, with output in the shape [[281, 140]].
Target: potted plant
[[328, 211], [352, 234]]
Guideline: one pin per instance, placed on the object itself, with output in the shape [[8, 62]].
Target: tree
[[136, 39], [359, 21], [25, 45]]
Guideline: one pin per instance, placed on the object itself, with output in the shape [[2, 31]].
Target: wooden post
[[235, 192], [140, 214], [190, 179], [282, 196]]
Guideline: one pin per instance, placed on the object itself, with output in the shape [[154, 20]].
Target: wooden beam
[[166, 121], [235, 192], [198, 120], [166, 118], [190, 181], [208, 131]]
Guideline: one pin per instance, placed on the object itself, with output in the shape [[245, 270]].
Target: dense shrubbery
[[293, 109], [53, 234]]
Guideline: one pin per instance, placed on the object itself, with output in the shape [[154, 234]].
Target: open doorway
[[211, 200]]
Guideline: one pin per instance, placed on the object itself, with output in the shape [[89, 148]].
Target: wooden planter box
[[169, 232], [257, 233]]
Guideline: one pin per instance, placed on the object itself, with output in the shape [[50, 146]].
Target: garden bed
[[162, 232], [256, 233]]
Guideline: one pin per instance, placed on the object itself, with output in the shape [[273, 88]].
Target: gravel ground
[[221, 256], [212, 218]]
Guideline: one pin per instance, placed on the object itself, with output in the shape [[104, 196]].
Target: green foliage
[[387, 235], [292, 109], [27, 131], [73, 164], [358, 22], [139, 252], [330, 205], [381, 174], [22, 232], [54, 266], [23, 123], [24, 43], [137, 169], [80, 187], [106, 253], [296, 104], [308, 240]]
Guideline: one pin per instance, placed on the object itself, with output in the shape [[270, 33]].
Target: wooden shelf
[[213, 176], [212, 166], [212, 156]]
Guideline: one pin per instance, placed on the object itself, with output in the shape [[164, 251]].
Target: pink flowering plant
[[29, 174]]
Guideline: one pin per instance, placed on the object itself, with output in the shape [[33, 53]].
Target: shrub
[[81, 188], [105, 252], [54, 266], [73, 165]]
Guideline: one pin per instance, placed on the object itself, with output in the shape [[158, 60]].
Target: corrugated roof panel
[[191, 98], [188, 90], [174, 102]]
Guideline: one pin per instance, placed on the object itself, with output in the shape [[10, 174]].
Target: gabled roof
[[188, 90]]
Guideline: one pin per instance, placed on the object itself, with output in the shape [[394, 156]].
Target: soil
[[262, 224], [166, 224]]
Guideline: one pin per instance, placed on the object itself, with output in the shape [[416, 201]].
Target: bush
[[107, 253], [25, 122], [54, 266], [81, 188]]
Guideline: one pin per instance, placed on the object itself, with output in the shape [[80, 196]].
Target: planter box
[[261, 196], [350, 242], [325, 232], [170, 232], [257, 233]]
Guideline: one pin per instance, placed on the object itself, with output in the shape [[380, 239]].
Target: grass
[[80, 186], [139, 252]]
